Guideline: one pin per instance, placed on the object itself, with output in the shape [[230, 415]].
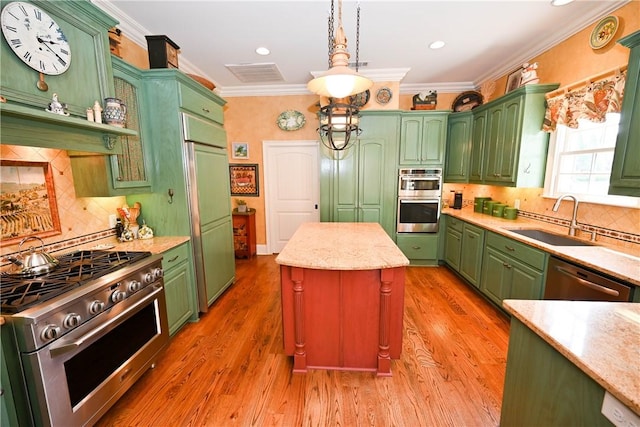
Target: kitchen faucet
[[574, 224]]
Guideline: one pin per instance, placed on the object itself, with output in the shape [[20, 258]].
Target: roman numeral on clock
[[16, 42], [42, 66], [27, 56]]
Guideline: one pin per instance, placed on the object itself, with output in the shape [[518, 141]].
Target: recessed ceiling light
[[560, 2], [263, 51], [437, 44]]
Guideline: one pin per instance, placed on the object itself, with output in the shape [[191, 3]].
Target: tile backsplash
[[614, 225], [79, 216]]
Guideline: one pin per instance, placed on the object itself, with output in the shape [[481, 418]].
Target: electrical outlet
[[112, 220], [516, 204], [618, 413]]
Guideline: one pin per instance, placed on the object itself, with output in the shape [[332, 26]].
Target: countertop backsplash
[[614, 225], [81, 218]]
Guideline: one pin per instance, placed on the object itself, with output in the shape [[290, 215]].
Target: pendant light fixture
[[339, 80], [339, 120]]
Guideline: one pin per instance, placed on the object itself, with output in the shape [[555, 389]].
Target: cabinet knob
[[206, 110], [506, 265], [509, 248], [415, 247]]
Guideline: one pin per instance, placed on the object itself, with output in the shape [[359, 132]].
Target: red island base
[[342, 319]]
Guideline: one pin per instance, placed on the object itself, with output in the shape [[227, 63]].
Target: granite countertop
[[582, 332], [609, 260], [155, 245], [341, 246]]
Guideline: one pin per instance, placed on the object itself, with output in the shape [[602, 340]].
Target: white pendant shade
[[339, 82]]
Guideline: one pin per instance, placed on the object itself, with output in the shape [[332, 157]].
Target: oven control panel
[[85, 303]]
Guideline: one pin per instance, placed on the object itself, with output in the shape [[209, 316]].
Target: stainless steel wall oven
[[79, 350], [419, 200]]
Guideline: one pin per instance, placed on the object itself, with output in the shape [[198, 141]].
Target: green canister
[[487, 208], [510, 213], [498, 209], [478, 203]]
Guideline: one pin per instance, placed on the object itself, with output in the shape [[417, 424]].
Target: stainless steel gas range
[[78, 337]]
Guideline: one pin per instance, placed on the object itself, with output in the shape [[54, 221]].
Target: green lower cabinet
[[420, 248], [452, 248], [512, 270], [179, 287], [471, 253], [544, 388]]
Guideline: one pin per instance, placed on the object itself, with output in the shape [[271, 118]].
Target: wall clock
[[35, 38]]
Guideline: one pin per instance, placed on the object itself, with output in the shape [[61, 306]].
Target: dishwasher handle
[[589, 284]]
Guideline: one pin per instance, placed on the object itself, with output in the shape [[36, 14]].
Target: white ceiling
[[484, 39]]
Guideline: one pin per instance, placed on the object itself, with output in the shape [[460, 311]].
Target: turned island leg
[[300, 355], [384, 358]]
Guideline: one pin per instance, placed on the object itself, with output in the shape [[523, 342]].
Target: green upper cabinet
[[359, 184], [625, 172], [422, 138], [456, 168], [515, 147], [478, 129], [127, 172], [89, 78]]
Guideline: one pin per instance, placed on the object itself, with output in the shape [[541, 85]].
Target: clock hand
[[47, 46]]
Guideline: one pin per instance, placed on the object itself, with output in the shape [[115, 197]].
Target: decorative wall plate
[[360, 99], [603, 32], [384, 95], [291, 120]]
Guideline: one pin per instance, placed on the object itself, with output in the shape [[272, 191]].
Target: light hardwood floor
[[229, 368]]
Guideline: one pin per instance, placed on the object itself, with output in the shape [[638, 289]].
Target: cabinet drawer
[[204, 132], [199, 104], [175, 256], [419, 246], [455, 223], [520, 251]]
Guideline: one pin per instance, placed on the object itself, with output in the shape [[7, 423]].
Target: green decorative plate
[[603, 32], [291, 120]]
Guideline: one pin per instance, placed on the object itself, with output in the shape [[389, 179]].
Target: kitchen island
[[342, 297], [565, 356]]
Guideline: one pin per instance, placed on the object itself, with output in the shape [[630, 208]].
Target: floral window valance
[[591, 102]]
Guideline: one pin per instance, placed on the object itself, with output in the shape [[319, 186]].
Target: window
[[579, 162]]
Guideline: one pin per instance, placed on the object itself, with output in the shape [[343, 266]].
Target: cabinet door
[[129, 169], [471, 257], [219, 257], [509, 146], [453, 246], [496, 275], [411, 140], [370, 185], [526, 283], [177, 287], [434, 136], [345, 201], [476, 170], [458, 150], [625, 172]]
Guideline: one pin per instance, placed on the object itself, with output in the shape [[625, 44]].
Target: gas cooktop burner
[[75, 269]]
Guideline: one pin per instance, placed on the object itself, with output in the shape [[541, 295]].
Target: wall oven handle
[[72, 345], [589, 284]]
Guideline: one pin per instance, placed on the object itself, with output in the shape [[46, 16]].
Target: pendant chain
[[331, 35], [358, 38]]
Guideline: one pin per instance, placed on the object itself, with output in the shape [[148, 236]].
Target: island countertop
[[601, 338], [341, 246]]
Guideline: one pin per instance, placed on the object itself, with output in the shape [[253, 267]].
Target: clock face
[[36, 38]]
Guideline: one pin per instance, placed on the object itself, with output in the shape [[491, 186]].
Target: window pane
[[580, 163], [603, 162], [599, 184], [573, 183]]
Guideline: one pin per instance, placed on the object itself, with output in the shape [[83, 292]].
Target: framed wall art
[[513, 81], [240, 150], [244, 179], [28, 201]]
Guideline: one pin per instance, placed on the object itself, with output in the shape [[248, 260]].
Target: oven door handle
[[588, 284], [74, 344]]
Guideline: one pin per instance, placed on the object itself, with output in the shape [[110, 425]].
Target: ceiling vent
[[360, 65], [256, 73]]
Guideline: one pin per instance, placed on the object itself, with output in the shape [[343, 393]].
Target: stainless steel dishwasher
[[568, 281]]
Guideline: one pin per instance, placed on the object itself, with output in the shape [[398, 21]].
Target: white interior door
[[292, 188]]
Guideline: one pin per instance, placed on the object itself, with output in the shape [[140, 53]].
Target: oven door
[[76, 379], [418, 215], [420, 186]]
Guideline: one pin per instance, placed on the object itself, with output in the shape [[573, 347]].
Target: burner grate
[[75, 269]]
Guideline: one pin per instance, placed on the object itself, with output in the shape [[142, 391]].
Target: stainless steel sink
[[550, 238]]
